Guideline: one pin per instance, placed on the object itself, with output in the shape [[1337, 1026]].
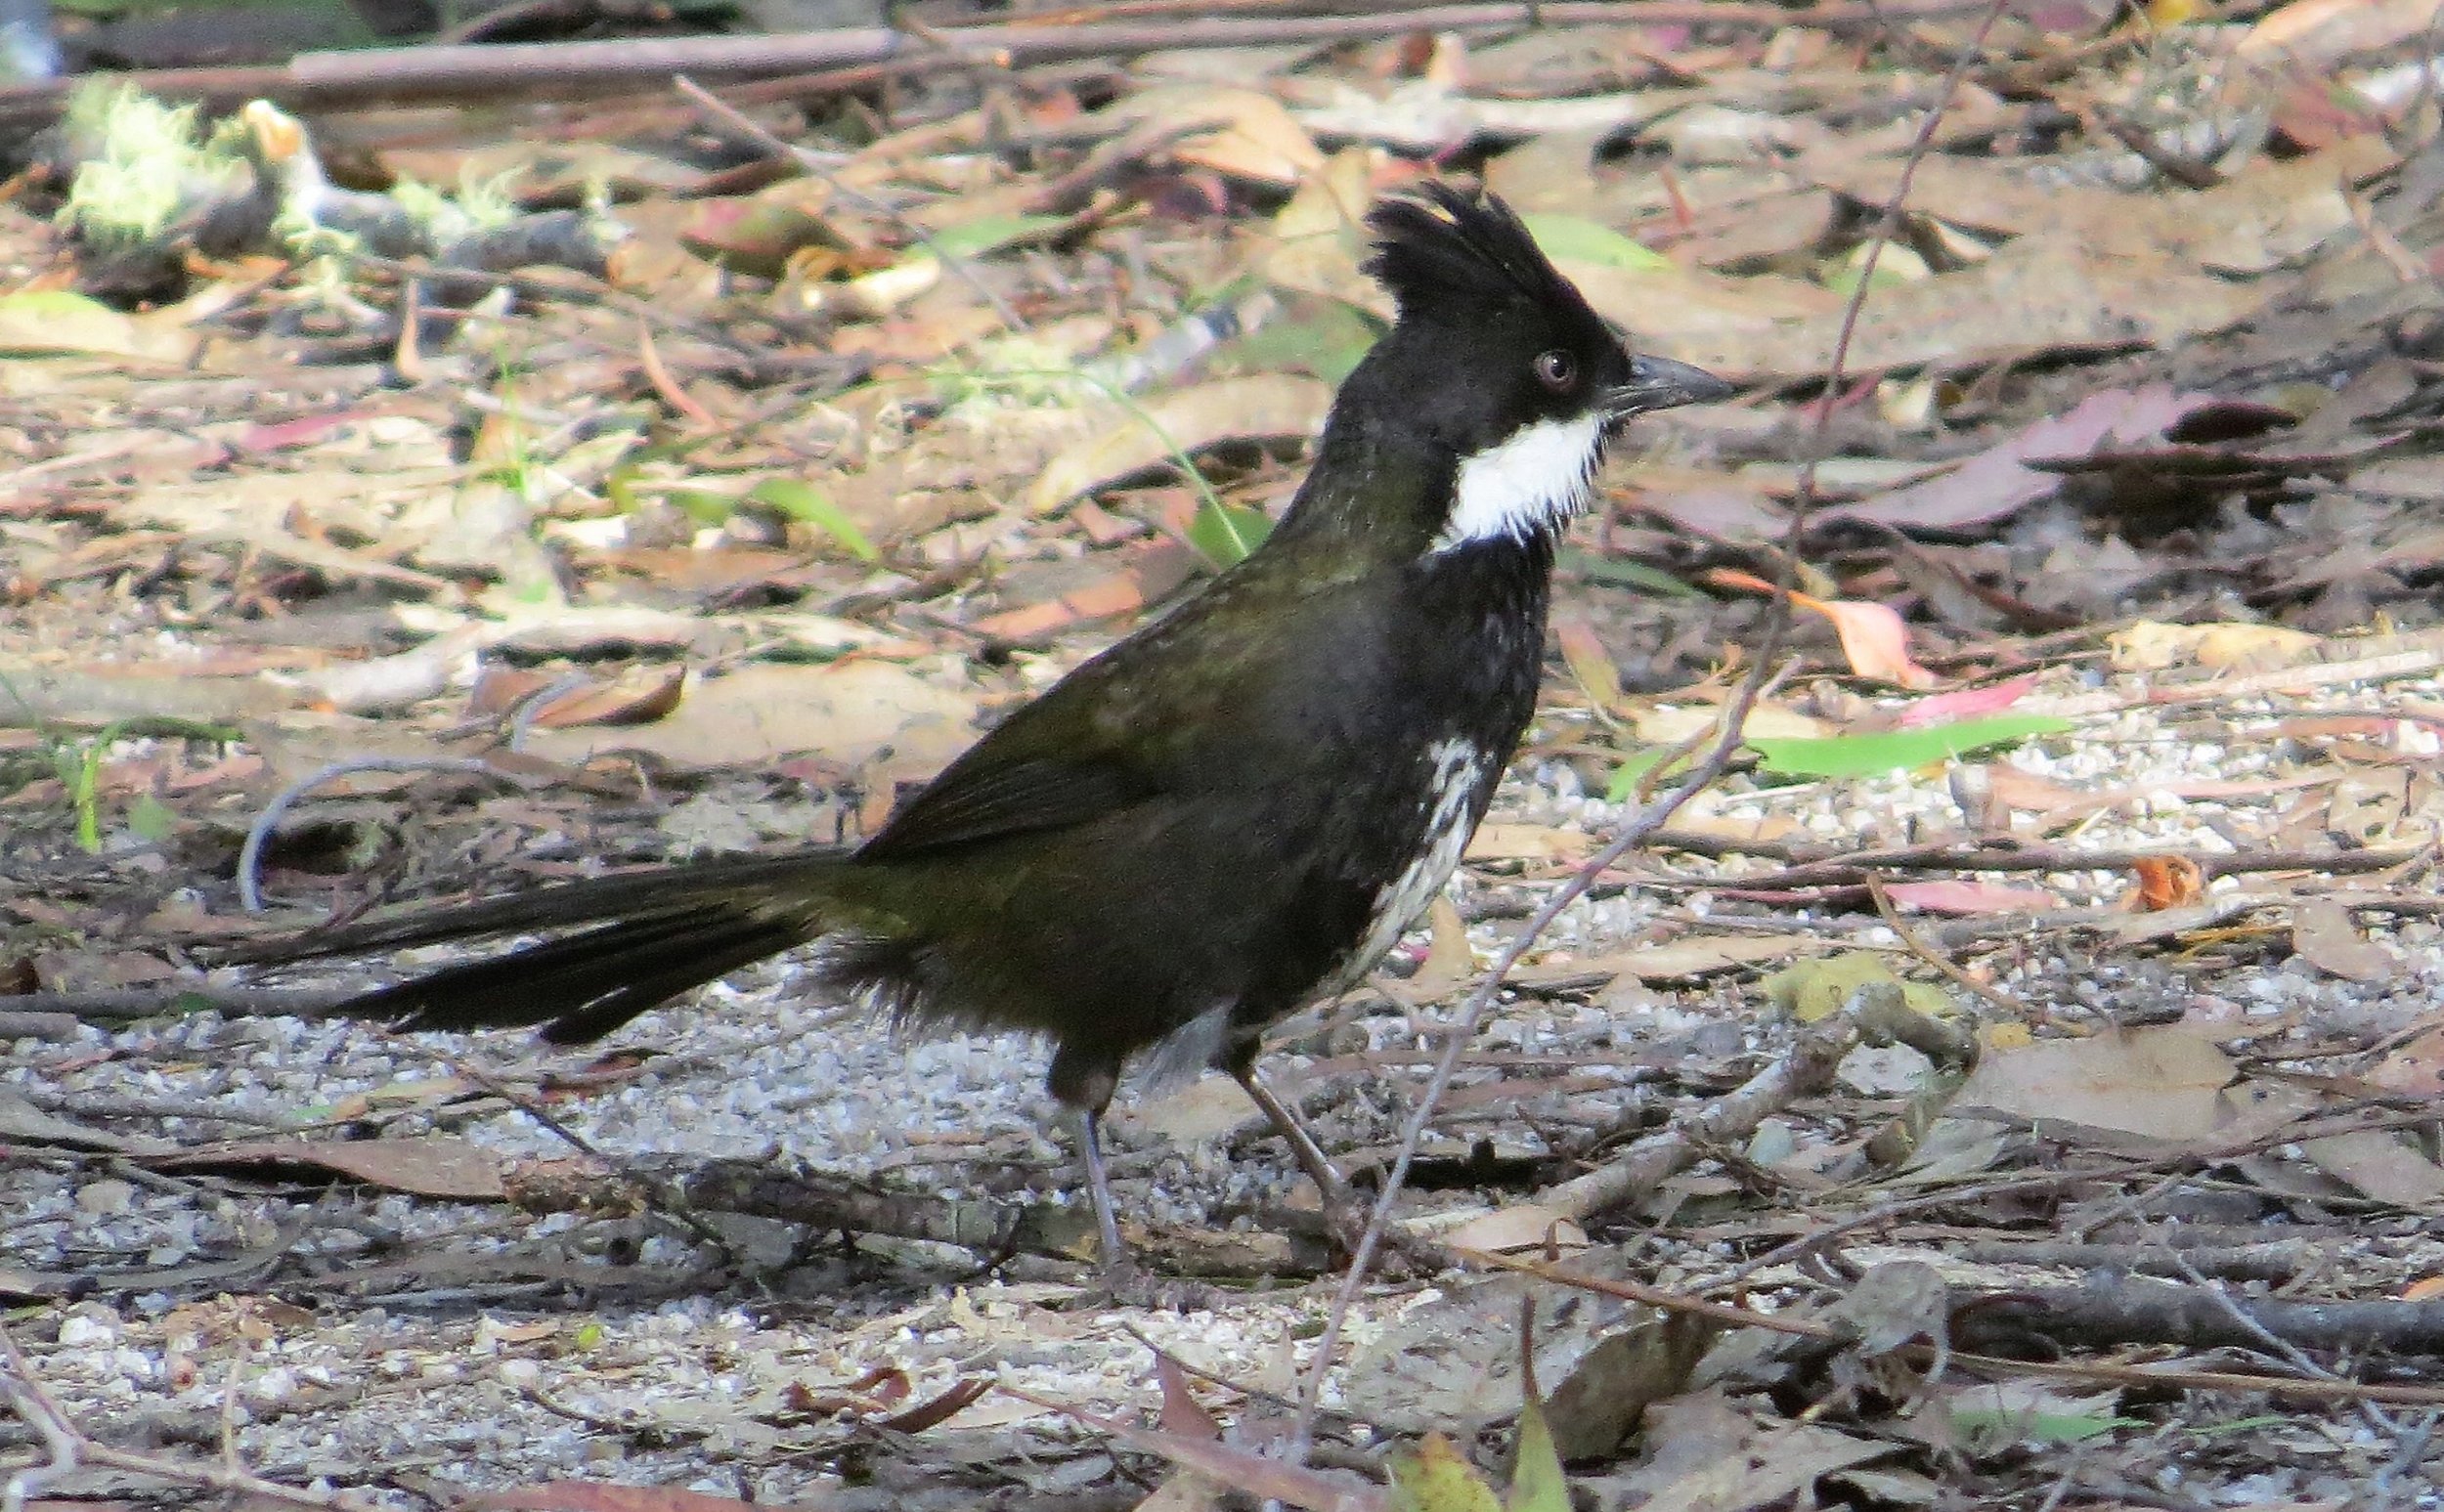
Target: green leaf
[[1223, 534], [808, 504], [1535, 1482], [1622, 573], [1576, 238], [151, 819], [1993, 1427], [1437, 1479], [1327, 345], [989, 234], [1622, 785], [1886, 750], [705, 506]]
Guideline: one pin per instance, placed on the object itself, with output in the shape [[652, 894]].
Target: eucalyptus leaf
[[1536, 1480], [1328, 344], [989, 234], [1576, 238], [1622, 785], [1883, 750]]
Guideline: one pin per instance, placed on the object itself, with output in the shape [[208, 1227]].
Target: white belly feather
[[1459, 765]]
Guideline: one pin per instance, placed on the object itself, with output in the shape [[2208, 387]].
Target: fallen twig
[[820, 1200], [1875, 1015], [72, 1449], [2153, 1378], [542, 68]]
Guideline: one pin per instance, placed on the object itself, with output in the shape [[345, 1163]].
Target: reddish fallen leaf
[[1182, 1412], [1874, 640], [639, 698], [298, 432], [938, 1409], [1966, 702], [617, 1068], [879, 1389], [634, 700], [709, 572], [1962, 896], [1996, 482], [682, 403], [1143, 575], [2165, 882]]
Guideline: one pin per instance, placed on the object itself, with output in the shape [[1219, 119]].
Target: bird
[[1233, 811]]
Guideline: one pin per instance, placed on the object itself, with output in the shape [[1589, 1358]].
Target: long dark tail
[[621, 944]]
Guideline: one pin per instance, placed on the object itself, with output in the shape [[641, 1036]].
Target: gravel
[[447, 1369]]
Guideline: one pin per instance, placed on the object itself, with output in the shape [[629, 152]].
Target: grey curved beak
[[1660, 383]]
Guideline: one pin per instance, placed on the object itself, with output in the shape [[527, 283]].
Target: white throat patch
[[1533, 481]]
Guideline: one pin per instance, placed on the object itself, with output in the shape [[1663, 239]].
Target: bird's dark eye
[[1558, 370]]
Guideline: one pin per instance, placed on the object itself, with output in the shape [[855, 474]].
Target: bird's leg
[[1346, 1217], [1084, 1078], [1303, 1147], [1099, 1185]]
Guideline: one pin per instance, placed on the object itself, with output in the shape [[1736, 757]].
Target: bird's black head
[[1496, 389]]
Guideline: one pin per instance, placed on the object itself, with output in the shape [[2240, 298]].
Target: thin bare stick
[[1952, 969], [1462, 1028]]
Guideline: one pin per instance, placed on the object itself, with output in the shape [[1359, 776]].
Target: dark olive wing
[[1182, 705], [987, 800]]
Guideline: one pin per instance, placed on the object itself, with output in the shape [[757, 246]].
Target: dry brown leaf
[[1242, 132], [2324, 937], [2164, 1083], [432, 1165], [1518, 1227], [1668, 724], [2378, 1163], [2313, 33], [850, 712], [1681, 960], [2415, 1066], [1583, 653], [1539, 843], [600, 1496], [1128, 440], [2150, 645]]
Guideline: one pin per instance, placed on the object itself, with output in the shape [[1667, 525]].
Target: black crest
[[1451, 244]]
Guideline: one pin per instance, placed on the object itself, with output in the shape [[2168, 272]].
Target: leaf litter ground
[[2142, 471]]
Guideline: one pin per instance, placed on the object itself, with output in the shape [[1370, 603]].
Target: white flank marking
[[1458, 766], [1533, 481], [1189, 1051]]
